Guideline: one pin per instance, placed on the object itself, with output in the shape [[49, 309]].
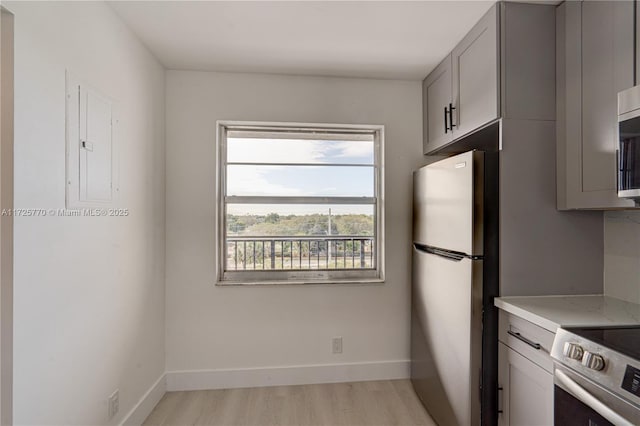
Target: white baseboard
[[147, 403], [280, 376], [257, 377]]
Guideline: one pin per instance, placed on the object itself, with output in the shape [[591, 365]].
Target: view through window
[[299, 203]]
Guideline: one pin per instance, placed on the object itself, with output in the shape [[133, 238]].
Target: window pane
[[297, 237], [298, 181], [248, 150]]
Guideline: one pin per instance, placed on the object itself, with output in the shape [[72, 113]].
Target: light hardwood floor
[[379, 403]]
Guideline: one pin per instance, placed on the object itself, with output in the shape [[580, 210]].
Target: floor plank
[[375, 403]]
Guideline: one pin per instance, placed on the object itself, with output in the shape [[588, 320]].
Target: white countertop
[[552, 312]]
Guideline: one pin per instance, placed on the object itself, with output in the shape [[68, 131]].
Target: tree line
[[311, 224]]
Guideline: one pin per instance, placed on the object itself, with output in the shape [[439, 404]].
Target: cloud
[[248, 150], [243, 180], [355, 150], [275, 151]]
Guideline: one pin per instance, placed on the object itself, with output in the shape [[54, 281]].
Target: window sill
[[366, 281]]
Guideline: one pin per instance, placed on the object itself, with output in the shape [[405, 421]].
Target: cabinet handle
[[451, 108], [500, 400], [618, 171], [524, 339], [446, 128]]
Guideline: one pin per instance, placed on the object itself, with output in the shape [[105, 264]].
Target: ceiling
[[371, 39]]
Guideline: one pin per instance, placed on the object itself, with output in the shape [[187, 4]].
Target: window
[[299, 203]]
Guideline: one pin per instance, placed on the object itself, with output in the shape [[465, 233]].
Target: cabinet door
[[594, 62], [526, 398], [436, 97], [607, 68], [475, 76]]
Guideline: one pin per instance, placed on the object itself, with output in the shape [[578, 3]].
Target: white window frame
[[371, 275]]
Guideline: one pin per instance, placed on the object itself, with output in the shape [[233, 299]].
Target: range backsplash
[[622, 255]]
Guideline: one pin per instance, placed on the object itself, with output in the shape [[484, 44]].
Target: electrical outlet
[[336, 345], [114, 403]]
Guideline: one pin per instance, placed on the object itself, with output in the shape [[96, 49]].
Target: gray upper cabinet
[[475, 70], [436, 97], [503, 68], [461, 94], [595, 60]]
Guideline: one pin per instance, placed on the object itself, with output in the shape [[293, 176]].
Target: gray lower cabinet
[[525, 373], [595, 60], [527, 390]]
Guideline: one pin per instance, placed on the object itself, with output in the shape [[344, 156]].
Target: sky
[[315, 180]]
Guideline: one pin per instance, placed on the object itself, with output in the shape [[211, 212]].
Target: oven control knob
[[593, 361], [572, 351]]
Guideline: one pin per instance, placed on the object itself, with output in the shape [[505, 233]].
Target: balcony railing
[[335, 252]]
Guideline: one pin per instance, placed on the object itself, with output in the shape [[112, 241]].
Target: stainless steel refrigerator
[[455, 268]]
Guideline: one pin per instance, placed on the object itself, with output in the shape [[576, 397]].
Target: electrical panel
[[91, 159]]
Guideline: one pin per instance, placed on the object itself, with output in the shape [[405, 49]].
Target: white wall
[[214, 328], [6, 222], [89, 292], [622, 255]]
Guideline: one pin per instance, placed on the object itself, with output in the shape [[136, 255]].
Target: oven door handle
[[586, 398]]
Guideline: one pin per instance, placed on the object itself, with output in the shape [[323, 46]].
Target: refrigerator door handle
[[455, 256]]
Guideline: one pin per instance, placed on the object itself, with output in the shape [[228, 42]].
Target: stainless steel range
[[597, 376]]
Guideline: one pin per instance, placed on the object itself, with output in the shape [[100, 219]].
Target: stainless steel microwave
[[628, 158]]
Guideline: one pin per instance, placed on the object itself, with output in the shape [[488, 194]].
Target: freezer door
[[448, 203], [446, 333]]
